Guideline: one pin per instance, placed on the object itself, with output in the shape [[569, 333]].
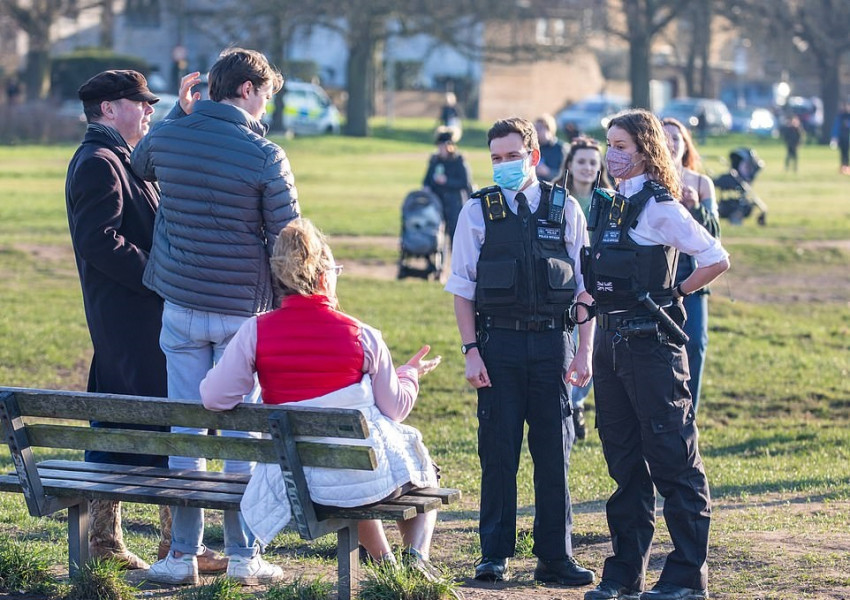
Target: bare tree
[[818, 28], [35, 18], [367, 26], [697, 69], [644, 19]]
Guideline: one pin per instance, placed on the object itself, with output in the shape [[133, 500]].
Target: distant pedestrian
[[552, 150], [841, 137], [792, 134], [13, 90], [449, 115], [449, 177]]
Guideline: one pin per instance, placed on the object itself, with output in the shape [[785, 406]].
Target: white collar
[[630, 187]]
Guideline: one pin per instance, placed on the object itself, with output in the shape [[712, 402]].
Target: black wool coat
[[111, 214]]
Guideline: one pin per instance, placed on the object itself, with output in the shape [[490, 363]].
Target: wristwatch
[[467, 347]]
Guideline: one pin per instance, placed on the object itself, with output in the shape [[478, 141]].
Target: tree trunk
[[359, 74], [278, 58], [37, 74], [830, 93], [639, 71], [107, 25]]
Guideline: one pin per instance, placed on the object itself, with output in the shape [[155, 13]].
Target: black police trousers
[[527, 370], [646, 423]]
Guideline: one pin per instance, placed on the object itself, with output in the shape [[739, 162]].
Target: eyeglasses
[[337, 269]]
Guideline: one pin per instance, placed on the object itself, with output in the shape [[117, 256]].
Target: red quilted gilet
[[306, 349]]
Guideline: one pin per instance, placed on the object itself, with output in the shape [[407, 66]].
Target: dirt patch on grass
[[767, 560], [825, 283]]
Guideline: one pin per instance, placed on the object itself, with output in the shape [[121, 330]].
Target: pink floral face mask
[[619, 162]]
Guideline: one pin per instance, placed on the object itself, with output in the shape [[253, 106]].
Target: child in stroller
[[422, 236], [735, 195]]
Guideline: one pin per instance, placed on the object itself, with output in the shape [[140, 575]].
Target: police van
[[307, 109]]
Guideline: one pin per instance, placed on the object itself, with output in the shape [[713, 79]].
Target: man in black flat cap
[[111, 215]]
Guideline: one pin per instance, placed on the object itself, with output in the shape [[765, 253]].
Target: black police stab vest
[[524, 271], [620, 269]]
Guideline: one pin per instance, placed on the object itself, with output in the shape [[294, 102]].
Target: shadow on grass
[[776, 444]]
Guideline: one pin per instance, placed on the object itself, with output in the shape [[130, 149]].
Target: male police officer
[[514, 276]]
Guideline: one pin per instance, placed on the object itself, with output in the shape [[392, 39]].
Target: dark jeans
[[527, 373]]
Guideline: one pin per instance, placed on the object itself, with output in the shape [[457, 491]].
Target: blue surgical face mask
[[512, 174]]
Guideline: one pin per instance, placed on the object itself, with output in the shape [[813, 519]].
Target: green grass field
[[774, 416]]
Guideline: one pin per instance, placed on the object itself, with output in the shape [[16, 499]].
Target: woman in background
[[699, 198], [449, 177], [583, 165]]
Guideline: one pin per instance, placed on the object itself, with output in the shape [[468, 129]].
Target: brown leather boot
[[106, 540], [209, 563], [164, 531]]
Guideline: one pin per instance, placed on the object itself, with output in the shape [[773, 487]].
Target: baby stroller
[[735, 195], [422, 236]]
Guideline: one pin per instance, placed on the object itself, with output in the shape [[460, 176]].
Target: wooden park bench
[[33, 419]]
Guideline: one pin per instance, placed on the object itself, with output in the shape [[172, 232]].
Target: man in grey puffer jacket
[[226, 194]]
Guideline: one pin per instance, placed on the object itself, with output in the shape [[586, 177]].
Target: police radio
[[557, 200], [596, 199]]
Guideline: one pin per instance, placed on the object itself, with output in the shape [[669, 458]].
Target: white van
[[307, 109]]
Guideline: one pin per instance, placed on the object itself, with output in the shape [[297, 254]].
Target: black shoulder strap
[[649, 190], [487, 190]]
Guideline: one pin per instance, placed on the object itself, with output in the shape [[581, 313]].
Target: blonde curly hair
[[301, 254]]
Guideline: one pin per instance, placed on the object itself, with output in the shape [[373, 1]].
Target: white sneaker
[[252, 570], [178, 571]]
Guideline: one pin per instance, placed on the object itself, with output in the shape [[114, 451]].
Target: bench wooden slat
[[77, 465], [64, 488], [447, 495], [313, 454], [422, 504], [151, 482], [330, 422], [375, 511]]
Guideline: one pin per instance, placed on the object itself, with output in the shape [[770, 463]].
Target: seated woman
[[310, 352]]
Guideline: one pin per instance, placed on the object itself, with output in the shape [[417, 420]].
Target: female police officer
[[644, 412]]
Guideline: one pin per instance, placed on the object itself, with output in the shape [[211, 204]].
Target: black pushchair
[[423, 233], [735, 196]]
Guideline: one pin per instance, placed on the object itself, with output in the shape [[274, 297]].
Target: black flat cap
[[114, 85]]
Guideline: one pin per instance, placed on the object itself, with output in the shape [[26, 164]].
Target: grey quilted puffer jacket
[[226, 194]]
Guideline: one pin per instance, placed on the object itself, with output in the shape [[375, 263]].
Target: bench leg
[[78, 536], [348, 561]]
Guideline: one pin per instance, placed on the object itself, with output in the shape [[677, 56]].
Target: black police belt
[[627, 322], [553, 323]]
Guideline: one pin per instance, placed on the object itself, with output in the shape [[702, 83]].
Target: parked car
[[307, 109], [590, 114], [748, 119], [718, 119]]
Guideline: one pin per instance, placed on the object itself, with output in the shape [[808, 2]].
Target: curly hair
[[690, 159], [301, 254], [523, 127], [651, 141]]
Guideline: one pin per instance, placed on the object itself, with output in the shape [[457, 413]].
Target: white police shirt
[[470, 231], [670, 224]]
